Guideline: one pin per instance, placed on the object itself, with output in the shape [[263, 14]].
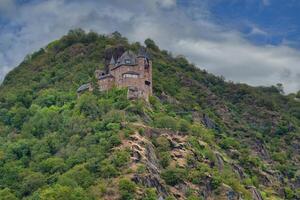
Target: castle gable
[[128, 58]]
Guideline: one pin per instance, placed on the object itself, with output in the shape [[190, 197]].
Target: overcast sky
[[250, 41]]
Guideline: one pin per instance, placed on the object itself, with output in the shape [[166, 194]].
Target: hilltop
[[198, 137]]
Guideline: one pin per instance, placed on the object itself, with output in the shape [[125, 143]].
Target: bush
[[166, 122], [228, 143], [162, 143], [52, 165], [289, 193], [164, 159], [120, 158], [107, 170], [173, 176], [87, 105], [127, 189], [63, 193], [150, 194], [6, 194], [113, 127], [183, 125]]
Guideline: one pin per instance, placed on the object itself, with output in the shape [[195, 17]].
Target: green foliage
[[228, 143], [63, 193], [165, 122], [120, 158], [151, 44], [298, 94], [150, 194], [127, 189], [6, 194], [289, 193], [173, 176], [87, 105], [52, 165], [183, 125]]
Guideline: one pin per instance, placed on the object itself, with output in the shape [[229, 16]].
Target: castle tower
[[112, 63], [145, 64]]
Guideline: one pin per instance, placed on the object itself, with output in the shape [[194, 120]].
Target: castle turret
[[112, 63]]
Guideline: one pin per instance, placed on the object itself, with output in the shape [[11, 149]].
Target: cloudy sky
[[251, 41]]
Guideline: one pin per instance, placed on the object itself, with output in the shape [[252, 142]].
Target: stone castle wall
[[137, 78]]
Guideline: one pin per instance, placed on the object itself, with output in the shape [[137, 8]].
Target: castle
[[130, 71]]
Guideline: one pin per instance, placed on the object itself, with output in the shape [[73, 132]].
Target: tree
[[87, 105], [80, 175], [32, 182], [298, 94], [6, 194], [52, 165], [63, 193], [280, 88], [151, 44]]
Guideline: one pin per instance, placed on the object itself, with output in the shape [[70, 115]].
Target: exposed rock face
[[142, 151], [227, 193], [208, 122], [220, 161], [239, 171], [255, 193]]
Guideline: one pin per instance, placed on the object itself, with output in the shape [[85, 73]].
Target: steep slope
[[200, 137]]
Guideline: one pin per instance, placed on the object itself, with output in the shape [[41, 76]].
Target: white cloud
[[208, 45], [257, 31]]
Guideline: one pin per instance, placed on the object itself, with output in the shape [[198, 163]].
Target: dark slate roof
[[106, 76], [112, 61], [143, 53], [127, 56], [83, 87]]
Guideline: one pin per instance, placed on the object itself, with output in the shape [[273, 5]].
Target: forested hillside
[[198, 137]]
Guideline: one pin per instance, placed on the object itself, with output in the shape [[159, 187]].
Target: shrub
[[150, 194], [173, 176], [165, 122], [63, 193], [113, 126], [162, 143], [6, 194], [289, 193], [127, 189], [52, 165], [228, 143], [183, 125], [107, 170], [120, 158], [164, 159], [87, 105]]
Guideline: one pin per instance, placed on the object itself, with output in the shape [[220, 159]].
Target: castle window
[[130, 75], [146, 63], [147, 83], [127, 61]]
